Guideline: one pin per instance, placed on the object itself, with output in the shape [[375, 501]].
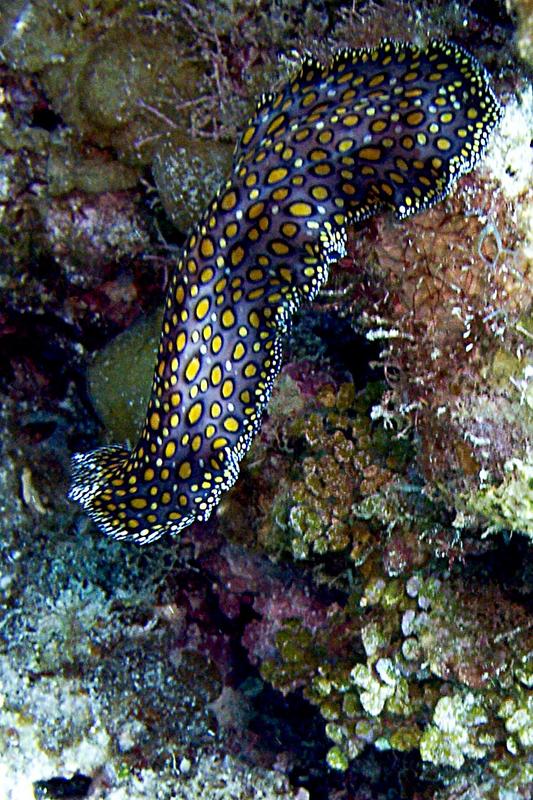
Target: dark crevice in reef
[[337, 344], [508, 565], [43, 117], [289, 728], [73, 788]]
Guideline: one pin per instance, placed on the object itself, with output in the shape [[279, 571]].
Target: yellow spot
[[228, 318], [443, 144], [281, 193], [370, 153], [344, 145], [185, 470], [170, 449], [248, 135], [181, 339], [192, 368], [276, 123], [396, 177], [194, 413], [229, 201], [318, 154], [300, 209], [378, 126], [139, 502], [309, 99], [256, 210], [279, 248], [196, 443], [237, 255], [238, 351], [304, 133], [215, 410], [415, 118], [216, 344], [320, 192], [231, 229], [219, 442], [210, 430], [216, 375], [251, 179], [202, 307], [206, 248], [231, 424], [289, 229], [206, 275], [322, 169], [256, 274], [132, 523], [350, 120], [175, 399], [155, 421], [376, 80], [253, 319], [277, 174], [227, 388], [250, 370]]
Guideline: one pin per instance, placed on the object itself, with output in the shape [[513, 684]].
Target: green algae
[[120, 378], [509, 504]]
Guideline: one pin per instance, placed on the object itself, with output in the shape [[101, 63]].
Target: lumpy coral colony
[[389, 127]]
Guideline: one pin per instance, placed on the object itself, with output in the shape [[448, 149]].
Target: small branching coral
[[419, 663]]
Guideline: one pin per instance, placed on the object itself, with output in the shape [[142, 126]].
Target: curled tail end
[[106, 483], [93, 471], [96, 482]]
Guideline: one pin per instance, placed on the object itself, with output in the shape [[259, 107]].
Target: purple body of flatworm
[[389, 127]]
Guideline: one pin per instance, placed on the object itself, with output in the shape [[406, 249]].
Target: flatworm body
[[390, 127]]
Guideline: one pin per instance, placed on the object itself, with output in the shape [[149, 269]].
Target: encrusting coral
[[420, 663]]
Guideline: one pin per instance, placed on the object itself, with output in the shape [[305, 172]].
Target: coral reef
[[443, 666], [524, 33], [455, 314]]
